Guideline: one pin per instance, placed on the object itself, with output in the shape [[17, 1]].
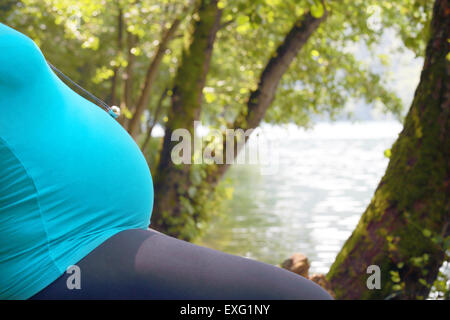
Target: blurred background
[[328, 82]]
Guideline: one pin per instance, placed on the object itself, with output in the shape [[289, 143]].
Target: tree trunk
[[129, 72], [150, 77], [173, 181], [154, 120], [169, 218], [128, 79], [115, 78], [403, 230], [261, 99]]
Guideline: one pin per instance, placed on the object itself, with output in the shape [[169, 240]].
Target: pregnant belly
[[88, 172], [86, 168], [70, 175]]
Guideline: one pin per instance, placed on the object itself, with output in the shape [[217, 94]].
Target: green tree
[[405, 229], [265, 60], [173, 181], [179, 200]]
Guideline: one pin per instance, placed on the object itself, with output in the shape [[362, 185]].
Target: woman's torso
[[70, 175]]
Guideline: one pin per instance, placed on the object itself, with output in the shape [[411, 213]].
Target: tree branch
[[115, 77], [155, 119], [152, 72], [260, 99]]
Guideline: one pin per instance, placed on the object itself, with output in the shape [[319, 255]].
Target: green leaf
[[242, 20], [427, 233], [397, 287], [314, 53], [423, 282], [317, 10], [191, 191]]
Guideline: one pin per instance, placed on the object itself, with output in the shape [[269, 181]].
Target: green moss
[[409, 208]]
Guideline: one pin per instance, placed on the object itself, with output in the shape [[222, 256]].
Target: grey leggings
[[146, 264]]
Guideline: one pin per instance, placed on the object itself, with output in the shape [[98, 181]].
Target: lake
[[310, 199]]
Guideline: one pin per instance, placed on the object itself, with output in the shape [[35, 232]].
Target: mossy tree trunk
[[260, 100], [404, 229], [172, 181]]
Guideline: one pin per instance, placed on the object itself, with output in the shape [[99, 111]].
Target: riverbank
[[311, 204]]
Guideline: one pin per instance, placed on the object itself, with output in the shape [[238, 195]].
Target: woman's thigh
[[146, 264]]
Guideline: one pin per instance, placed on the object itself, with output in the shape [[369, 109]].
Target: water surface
[[311, 200]]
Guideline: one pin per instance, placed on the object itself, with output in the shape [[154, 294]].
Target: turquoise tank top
[[70, 176]]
